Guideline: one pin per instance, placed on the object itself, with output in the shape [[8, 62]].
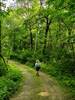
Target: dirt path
[[37, 88]]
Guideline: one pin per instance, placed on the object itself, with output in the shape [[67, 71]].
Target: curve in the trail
[[37, 88]]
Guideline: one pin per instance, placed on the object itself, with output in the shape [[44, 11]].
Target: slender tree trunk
[[72, 46], [14, 41], [1, 57], [31, 39], [0, 39], [48, 22], [20, 45], [36, 38], [73, 50], [36, 42]]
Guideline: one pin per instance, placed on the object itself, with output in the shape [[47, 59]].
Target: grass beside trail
[[66, 80], [10, 82]]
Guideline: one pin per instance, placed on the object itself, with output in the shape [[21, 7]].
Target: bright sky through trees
[[9, 3]]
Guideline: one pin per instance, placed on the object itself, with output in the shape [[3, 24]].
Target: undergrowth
[[9, 82], [66, 80]]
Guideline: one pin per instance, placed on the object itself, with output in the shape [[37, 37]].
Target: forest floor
[[33, 87]]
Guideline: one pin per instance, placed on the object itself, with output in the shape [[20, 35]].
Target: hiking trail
[[43, 87]]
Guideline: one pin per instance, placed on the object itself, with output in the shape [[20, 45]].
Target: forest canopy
[[40, 29]]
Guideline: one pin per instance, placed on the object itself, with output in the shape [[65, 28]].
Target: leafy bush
[[2, 68], [54, 70], [68, 65], [66, 80], [14, 74], [27, 56], [7, 87], [22, 55], [9, 83]]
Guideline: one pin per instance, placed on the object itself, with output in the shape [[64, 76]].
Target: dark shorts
[[37, 68]]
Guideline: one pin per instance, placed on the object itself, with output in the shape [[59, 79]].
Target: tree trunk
[[1, 57], [71, 44], [31, 39], [36, 44], [0, 39], [48, 22], [14, 41]]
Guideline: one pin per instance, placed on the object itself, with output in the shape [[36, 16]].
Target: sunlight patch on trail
[[43, 94]]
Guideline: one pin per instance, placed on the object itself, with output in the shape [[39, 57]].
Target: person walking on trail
[[37, 67]]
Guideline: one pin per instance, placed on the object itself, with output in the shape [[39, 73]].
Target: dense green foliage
[[3, 69], [65, 80], [9, 83]]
